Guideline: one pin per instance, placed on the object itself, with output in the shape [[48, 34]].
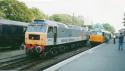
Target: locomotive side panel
[[65, 35]]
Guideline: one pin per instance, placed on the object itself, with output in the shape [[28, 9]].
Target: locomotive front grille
[[34, 37]]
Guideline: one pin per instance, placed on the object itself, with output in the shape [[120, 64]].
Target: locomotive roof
[[58, 24], [61, 25], [102, 30], [10, 22], [75, 27], [51, 23]]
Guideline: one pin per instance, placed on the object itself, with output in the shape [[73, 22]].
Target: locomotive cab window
[[99, 33], [50, 32], [36, 28], [50, 29]]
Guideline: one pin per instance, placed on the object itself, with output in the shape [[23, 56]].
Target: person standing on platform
[[106, 39], [121, 37], [114, 39]]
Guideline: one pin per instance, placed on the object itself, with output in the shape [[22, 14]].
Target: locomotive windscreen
[[36, 28]]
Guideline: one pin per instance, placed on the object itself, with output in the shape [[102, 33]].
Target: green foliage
[[67, 19], [18, 11], [97, 26], [108, 27], [64, 18], [79, 20], [37, 14], [2, 15], [15, 10]]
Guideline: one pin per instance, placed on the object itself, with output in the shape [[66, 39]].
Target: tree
[[67, 19], [37, 14], [108, 27], [64, 18], [79, 20], [2, 15], [15, 10]]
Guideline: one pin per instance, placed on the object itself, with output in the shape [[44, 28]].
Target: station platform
[[4, 55], [104, 57]]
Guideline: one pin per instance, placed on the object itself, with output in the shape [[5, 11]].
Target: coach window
[[99, 33]]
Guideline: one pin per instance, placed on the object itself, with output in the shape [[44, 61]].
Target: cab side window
[[50, 29], [50, 32]]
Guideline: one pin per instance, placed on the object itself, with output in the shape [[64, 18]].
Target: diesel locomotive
[[45, 37], [99, 36]]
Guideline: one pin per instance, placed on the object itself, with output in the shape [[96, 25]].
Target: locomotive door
[[55, 35], [52, 35]]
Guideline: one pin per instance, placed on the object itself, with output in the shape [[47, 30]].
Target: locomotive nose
[[35, 38], [35, 51]]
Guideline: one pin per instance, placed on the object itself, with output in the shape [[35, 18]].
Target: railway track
[[38, 64], [12, 58], [45, 63], [9, 60], [17, 64], [41, 64], [57, 59]]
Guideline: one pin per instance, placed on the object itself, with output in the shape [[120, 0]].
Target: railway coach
[[45, 37], [12, 33]]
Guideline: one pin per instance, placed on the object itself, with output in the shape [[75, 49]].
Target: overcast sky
[[97, 11]]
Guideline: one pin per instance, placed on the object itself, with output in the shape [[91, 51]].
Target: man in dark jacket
[[121, 38], [114, 39]]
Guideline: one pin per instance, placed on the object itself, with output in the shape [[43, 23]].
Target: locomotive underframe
[[52, 50], [95, 43]]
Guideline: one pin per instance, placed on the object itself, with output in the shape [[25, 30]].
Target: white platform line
[[59, 65]]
